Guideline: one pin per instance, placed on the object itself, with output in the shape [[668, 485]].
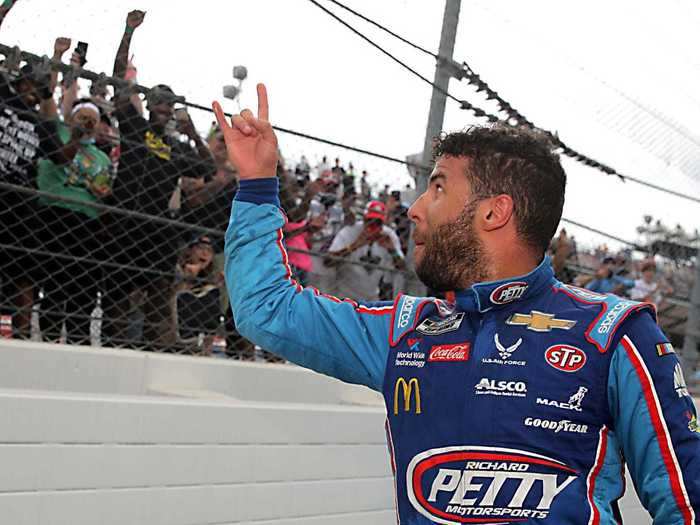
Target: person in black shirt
[[24, 138], [153, 167]]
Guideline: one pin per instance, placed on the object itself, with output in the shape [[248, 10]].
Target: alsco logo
[[509, 292], [407, 388], [456, 352], [566, 358], [471, 484]]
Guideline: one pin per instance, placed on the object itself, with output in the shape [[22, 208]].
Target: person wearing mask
[[72, 228]]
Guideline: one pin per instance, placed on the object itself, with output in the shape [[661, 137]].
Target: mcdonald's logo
[[407, 388]]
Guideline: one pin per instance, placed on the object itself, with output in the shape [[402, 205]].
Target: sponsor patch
[[411, 395], [414, 357], [665, 349], [493, 387], [692, 422], [612, 316], [504, 354], [563, 425], [405, 312], [566, 358], [448, 353], [679, 382], [473, 484], [540, 321], [574, 402], [440, 326], [509, 292]]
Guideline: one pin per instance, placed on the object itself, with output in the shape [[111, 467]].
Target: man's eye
[[439, 187]]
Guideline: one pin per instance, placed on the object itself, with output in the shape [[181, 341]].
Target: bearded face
[[453, 256]]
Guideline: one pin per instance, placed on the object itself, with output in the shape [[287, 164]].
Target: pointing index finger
[[263, 108]]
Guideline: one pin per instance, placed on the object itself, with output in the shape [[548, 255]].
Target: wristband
[[128, 30]]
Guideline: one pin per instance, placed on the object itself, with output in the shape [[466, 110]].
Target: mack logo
[[612, 316], [405, 312], [679, 382], [509, 292], [471, 484], [441, 326], [500, 388], [540, 321], [407, 388], [566, 358], [456, 352], [557, 426], [574, 402]]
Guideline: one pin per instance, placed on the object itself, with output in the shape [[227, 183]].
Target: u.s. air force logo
[[441, 326], [473, 484]]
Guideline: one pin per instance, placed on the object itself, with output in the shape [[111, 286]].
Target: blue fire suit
[[523, 401]]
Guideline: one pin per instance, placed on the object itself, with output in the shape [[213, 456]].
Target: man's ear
[[496, 212]]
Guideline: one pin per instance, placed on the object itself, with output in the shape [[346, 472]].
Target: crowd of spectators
[[113, 207]]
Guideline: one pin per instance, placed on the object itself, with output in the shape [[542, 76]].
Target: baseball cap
[[375, 210], [161, 93]]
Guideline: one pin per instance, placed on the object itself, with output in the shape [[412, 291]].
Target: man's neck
[[513, 263]]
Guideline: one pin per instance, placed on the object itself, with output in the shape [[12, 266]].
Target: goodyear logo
[[407, 389]]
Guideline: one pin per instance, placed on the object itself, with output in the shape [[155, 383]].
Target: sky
[[616, 80]]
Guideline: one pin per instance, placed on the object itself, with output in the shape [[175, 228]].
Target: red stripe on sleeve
[[662, 436]]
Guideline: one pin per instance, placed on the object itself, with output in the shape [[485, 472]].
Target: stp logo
[[471, 484], [566, 358], [456, 352], [509, 292]]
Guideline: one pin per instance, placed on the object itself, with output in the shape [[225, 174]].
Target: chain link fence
[[113, 209]]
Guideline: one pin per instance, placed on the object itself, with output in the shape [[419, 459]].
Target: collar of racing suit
[[482, 297]]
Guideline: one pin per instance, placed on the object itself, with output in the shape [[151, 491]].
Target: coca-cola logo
[[454, 352], [470, 484]]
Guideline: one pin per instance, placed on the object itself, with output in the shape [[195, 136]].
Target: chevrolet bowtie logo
[[540, 321]]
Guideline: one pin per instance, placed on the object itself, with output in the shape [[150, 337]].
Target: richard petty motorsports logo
[[469, 484]]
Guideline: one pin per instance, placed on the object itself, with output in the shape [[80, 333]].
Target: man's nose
[[415, 212]]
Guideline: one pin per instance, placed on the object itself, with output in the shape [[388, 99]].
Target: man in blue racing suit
[[521, 399]]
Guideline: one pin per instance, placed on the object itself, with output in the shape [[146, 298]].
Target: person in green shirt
[[71, 229], [87, 177]]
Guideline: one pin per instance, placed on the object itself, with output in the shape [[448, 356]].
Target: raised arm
[[48, 107], [5, 7], [342, 339], [133, 20]]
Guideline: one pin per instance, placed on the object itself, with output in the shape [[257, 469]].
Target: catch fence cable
[[514, 117]]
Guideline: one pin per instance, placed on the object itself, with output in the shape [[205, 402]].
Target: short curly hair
[[516, 161]]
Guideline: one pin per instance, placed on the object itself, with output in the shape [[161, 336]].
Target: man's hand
[[135, 18], [251, 143], [60, 46]]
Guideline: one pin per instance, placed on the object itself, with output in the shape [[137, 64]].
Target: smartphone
[[81, 50]]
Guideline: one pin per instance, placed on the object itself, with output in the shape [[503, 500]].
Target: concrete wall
[[117, 437]]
